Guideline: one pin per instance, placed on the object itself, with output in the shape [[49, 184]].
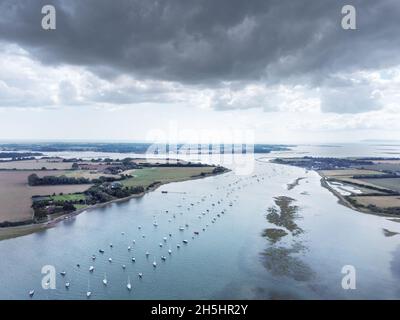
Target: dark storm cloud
[[206, 42], [202, 41]]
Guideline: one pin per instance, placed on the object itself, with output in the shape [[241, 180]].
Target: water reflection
[[279, 259], [395, 263], [282, 261], [274, 235]]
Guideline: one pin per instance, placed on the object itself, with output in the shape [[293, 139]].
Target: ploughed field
[[370, 191], [35, 164], [16, 194], [385, 202]]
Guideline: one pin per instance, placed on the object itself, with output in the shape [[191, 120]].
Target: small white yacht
[[91, 268], [105, 281], [31, 293], [88, 292], [129, 286]]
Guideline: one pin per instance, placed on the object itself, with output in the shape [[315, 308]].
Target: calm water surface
[[232, 258]]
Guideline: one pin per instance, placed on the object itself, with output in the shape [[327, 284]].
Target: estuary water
[[234, 248]]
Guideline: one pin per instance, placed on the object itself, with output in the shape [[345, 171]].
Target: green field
[[80, 206], [68, 197], [389, 183], [145, 177]]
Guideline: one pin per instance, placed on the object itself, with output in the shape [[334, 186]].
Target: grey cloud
[[19, 97], [67, 92], [129, 96], [350, 100], [208, 42], [94, 93]]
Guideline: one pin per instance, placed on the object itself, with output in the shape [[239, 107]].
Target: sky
[[264, 71]]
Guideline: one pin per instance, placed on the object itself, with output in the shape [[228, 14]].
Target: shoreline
[[18, 231], [342, 200]]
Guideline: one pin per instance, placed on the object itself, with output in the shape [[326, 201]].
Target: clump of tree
[[74, 160], [68, 207], [118, 167], [20, 155], [35, 180], [97, 194], [153, 184], [219, 169], [107, 192], [6, 224], [376, 176], [44, 206]]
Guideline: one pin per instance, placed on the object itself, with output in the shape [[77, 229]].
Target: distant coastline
[[139, 148]]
